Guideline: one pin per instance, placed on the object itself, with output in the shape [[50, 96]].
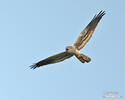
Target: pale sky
[[32, 30]]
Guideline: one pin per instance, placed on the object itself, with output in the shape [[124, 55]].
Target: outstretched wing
[[52, 59], [86, 34]]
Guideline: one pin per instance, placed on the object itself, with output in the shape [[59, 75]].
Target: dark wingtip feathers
[[33, 66], [41, 63], [36, 65], [99, 15]]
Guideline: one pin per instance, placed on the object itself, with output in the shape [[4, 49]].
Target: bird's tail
[[83, 58]]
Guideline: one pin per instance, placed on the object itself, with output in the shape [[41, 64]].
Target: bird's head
[[70, 49]]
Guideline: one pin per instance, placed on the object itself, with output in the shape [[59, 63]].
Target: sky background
[[31, 30]]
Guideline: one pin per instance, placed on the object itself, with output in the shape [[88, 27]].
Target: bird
[[74, 50]]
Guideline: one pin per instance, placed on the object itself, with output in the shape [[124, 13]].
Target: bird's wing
[[86, 34], [52, 59]]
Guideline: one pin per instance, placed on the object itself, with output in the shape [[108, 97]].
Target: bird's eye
[[67, 49]]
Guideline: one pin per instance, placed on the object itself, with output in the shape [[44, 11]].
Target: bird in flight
[[74, 50]]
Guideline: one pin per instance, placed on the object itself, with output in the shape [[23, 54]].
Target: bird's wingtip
[[33, 66], [101, 13]]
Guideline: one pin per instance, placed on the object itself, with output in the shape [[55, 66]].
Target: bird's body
[[70, 51], [74, 51]]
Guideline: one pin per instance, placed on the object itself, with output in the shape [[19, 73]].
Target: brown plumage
[[81, 41], [86, 34]]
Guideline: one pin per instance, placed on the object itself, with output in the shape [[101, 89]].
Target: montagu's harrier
[[70, 51]]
